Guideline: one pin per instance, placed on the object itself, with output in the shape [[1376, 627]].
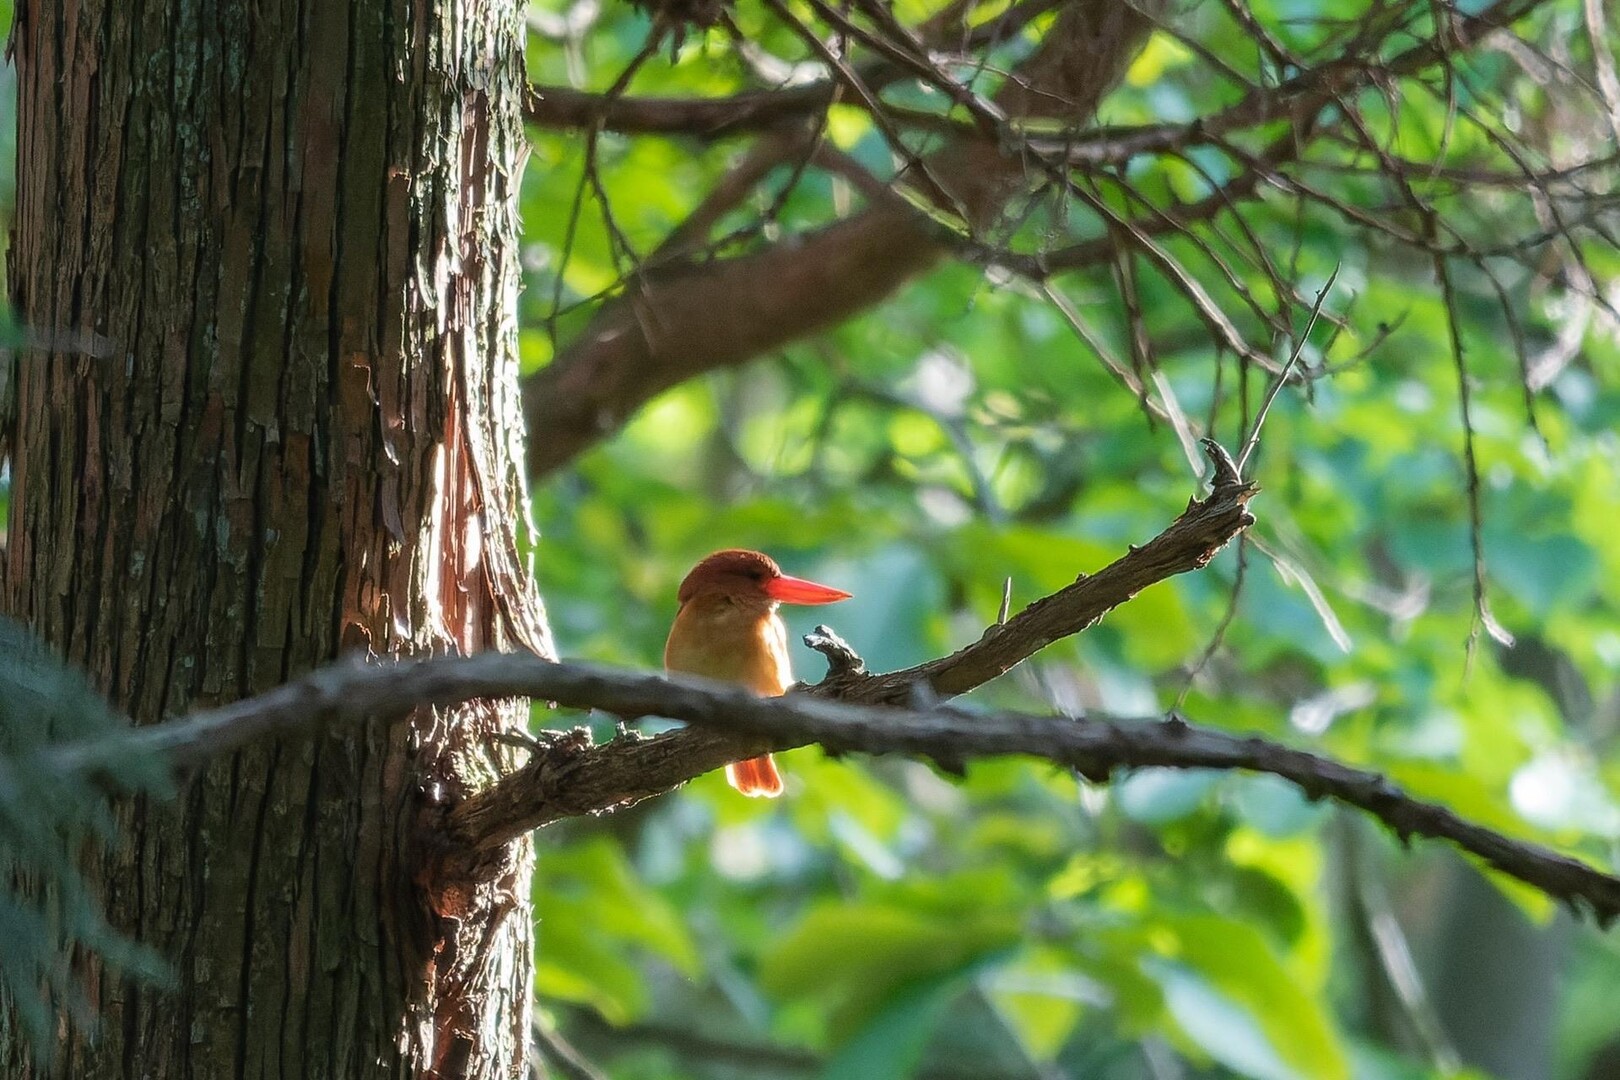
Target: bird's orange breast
[[739, 643]]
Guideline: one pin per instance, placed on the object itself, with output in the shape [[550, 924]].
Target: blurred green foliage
[[883, 920], [52, 932]]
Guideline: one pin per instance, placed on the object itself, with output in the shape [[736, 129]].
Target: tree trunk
[[268, 254]]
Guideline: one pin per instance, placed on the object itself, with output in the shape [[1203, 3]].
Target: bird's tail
[[756, 776]]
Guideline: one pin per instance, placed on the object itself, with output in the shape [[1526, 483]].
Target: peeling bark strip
[[294, 227]]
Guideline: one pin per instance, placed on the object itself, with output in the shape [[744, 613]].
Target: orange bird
[[727, 628]]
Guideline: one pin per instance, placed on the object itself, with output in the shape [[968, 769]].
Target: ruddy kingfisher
[[727, 628]]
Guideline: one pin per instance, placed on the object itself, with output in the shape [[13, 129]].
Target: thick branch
[[563, 107], [566, 776], [1094, 747]]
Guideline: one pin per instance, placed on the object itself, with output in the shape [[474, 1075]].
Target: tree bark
[[268, 258]]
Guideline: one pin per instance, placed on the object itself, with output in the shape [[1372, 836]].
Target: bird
[[727, 628]]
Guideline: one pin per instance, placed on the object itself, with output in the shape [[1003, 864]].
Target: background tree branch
[[680, 322], [565, 107], [562, 107], [677, 319]]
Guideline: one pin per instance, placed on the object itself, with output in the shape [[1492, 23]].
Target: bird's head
[[739, 574]]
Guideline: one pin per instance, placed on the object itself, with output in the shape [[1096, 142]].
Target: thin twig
[[560, 1054], [1282, 376], [1219, 636]]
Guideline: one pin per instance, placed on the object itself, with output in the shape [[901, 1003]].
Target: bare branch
[[1096, 747], [563, 107], [566, 776], [1282, 376], [715, 314], [730, 719], [719, 313], [1187, 544]]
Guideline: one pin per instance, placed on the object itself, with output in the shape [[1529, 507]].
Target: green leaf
[[1542, 572], [1237, 962], [892, 1044], [48, 818], [1221, 1027], [593, 914], [573, 964], [1041, 996], [856, 956], [1157, 796]]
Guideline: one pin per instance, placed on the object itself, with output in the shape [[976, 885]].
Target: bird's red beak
[[792, 590]]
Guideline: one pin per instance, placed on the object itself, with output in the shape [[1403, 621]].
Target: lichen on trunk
[[267, 256]]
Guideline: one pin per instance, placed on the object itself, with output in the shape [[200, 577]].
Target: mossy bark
[[267, 257]]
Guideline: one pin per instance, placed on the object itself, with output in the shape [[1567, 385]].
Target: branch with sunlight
[[850, 710]]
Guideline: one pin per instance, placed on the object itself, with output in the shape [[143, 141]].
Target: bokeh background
[[887, 920]]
